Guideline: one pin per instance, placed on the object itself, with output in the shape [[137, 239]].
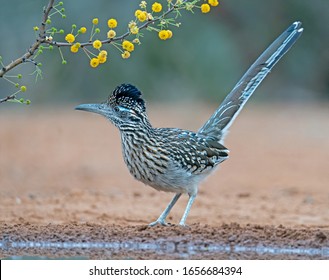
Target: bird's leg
[[162, 219], [187, 209]]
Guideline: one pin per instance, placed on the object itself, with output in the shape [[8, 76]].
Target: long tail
[[219, 123]]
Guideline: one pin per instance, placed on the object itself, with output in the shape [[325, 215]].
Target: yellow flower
[[205, 8], [111, 34], [112, 23], [102, 54], [102, 59], [137, 13], [132, 24], [134, 30], [169, 33], [83, 30], [163, 35], [95, 21], [97, 44], [213, 3], [70, 38], [131, 47], [94, 62], [126, 45], [156, 7], [136, 41], [125, 54], [23, 88], [74, 48], [142, 16]]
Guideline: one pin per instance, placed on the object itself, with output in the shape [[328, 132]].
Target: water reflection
[[163, 247]]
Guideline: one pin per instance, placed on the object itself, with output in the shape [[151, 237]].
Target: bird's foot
[[183, 225], [159, 222]]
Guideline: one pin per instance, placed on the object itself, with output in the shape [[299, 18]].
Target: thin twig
[[40, 40], [25, 57]]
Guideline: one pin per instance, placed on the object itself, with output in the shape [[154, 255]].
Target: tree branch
[[25, 57], [119, 38], [42, 39], [30, 52]]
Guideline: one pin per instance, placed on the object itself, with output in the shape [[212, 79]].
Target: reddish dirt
[[62, 176]]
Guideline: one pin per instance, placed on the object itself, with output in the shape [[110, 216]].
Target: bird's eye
[[116, 109]]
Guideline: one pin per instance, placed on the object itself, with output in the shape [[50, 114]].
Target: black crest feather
[[127, 95]]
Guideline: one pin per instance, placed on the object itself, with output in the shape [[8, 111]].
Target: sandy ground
[[62, 169]]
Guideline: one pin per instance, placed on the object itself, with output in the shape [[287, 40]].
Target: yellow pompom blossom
[[95, 21], [74, 48], [137, 13], [128, 46], [213, 3], [205, 8], [134, 30], [102, 54], [156, 7], [165, 34], [112, 23], [125, 44], [94, 62], [102, 57], [70, 38], [142, 16], [97, 44], [131, 47], [83, 30], [132, 24], [125, 54], [111, 34]]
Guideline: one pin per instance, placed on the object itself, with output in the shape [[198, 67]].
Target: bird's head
[[125, 107]]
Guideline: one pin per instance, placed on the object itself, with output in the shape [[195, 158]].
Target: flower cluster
[[145, 17], [165, 34], [159, 16], [205, 8]]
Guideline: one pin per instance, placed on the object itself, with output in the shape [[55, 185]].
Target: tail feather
[[218, 124]]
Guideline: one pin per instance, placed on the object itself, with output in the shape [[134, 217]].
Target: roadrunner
[[173, 159]]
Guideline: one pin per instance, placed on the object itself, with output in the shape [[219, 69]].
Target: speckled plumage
[[173, 160], [176, 160]]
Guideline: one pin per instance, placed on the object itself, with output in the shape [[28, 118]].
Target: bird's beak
[[101, 109]]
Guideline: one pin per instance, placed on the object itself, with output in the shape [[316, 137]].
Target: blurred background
[[205, 58]]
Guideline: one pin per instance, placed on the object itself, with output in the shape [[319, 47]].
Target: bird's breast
[[144, 160]]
